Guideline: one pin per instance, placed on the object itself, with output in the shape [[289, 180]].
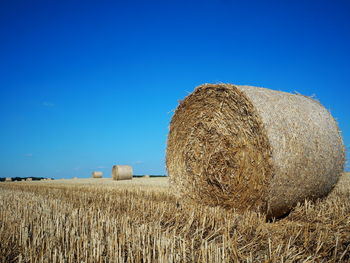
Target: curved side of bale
[[122, 172], [252, 148], [97, 174], [308, 151]]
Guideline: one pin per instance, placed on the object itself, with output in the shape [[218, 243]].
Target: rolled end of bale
[[252, 148], [122, 172], [97, 174]]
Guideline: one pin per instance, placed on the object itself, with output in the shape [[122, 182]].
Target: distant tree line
[[2, 179], [150, 175]]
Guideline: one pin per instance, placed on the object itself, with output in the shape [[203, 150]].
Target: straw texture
[[253, 148], [97, 174], [122, 172]]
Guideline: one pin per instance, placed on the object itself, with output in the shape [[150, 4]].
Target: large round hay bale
[[8, 179], [29, 179], [97, 174], [253, 148], [122, 172]]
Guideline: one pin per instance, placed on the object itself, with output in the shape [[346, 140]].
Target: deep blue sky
[[85, 85]]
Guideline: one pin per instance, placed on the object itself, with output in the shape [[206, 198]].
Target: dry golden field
[[100, 220]]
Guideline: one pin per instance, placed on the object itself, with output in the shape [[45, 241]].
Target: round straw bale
[[29, 179], [8, 179], [252, 148], [122, 172], [97, 174]]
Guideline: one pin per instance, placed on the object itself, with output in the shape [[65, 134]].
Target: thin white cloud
[[48, 104], [28, 155], [138, 162], [101, 167]]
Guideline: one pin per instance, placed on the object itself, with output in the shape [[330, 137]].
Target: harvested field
[[109, 182], [89, 220]]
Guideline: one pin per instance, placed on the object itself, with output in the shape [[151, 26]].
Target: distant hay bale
[[146, 176], [29, 179], [8, 179], [75, 178], [122, 172], [253, 148], [97, 174]]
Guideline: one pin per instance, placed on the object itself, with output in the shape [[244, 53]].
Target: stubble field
[[100, 220]]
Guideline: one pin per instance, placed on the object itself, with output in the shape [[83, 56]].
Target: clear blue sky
[[85, 85]]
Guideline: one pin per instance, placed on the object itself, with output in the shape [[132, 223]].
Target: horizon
[[87, 85]]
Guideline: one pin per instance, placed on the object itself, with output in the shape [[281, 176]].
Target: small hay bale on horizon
[[122, 172], [8, 179], [97, 174], [252, 148], [29, 179]]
